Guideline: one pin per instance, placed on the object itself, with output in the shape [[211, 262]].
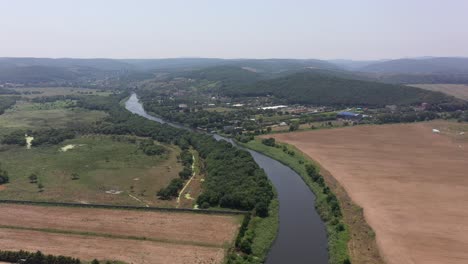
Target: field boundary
[[127, 207], [110, 236]]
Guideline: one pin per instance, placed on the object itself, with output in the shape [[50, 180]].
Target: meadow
[[99, 169], [59, 114]]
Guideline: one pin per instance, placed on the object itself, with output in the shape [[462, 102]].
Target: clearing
[[411, 183], [109, 170], [147, 236], [457, 90]]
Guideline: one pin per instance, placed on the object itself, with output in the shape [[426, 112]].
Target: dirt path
[[412, 184], [188, 182]]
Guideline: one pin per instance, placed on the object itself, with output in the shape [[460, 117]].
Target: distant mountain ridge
[[420, 66]]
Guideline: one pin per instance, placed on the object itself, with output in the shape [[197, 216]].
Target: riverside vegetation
[[327, 203]]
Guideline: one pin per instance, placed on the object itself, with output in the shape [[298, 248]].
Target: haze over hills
[[420, 66], [401, 71]]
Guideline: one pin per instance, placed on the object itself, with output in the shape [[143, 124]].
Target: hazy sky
[[327, 29]]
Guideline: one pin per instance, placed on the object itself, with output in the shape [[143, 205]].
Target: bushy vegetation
[[3, 175], [269, 142], [8, 91], [35, 258], [319, 89], [172, 190], [7, 102], [151, 149], [51, 136], [233, 178], [16, 137]]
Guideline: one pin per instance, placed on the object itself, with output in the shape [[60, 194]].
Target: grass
[[457, 90], [33, 92], [337, 241], [26, 115], [218, 109], [265, 230], [102, 163]]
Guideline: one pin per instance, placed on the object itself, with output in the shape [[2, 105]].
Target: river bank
[[357, 242], [301, 235]]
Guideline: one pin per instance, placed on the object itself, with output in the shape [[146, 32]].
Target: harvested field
[[88, 233], [88, 248], [457, 90], [411, 183]]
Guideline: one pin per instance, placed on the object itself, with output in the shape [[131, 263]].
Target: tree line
[[233, 179], [35, 258], [3, 175], [7, 102]]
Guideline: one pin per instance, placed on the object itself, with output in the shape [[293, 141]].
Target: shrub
[[269, 142]]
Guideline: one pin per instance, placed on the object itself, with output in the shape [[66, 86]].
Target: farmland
[[457, 90], [148, 237], [399, 175]]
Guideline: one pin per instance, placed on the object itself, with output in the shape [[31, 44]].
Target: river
[[301, 237]]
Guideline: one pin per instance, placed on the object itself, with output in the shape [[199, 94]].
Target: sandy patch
[[412, 184], [69, 147], [29, 141]]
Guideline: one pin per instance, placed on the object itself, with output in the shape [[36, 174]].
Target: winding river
[[301, 237]]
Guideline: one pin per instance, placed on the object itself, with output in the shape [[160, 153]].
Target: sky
[[325, 29]]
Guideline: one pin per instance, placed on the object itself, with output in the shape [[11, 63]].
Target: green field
[[32, 92], [27, 115], [107, 168]]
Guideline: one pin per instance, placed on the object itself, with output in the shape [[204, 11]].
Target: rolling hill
[[321, 89], [420, 66]]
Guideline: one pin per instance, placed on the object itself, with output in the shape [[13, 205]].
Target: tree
[[261, 209], [269, 142], [33, 178], [95, 261], [40, 186], [294, 126], [75, 176], [3, 175]]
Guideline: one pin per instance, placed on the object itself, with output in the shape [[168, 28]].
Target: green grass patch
[[265, 230], [99, 169], [59, 114], [337, 240]]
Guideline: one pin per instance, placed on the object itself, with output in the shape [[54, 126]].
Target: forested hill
[[224, 75], [320, 89], [420, 66]]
